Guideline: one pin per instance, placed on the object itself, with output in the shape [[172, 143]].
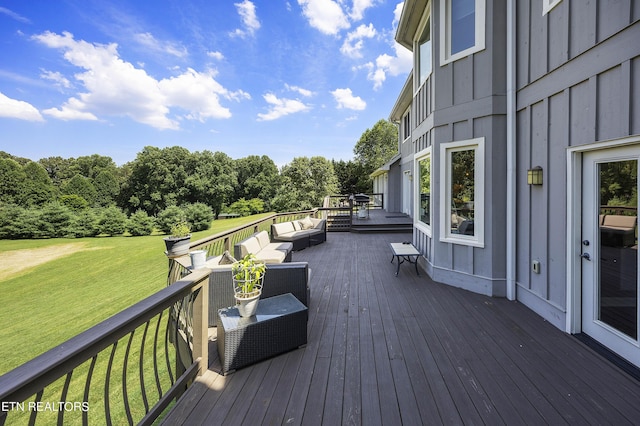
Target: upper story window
[[462, 29], [406, 126], [547, 5], [424, 52]]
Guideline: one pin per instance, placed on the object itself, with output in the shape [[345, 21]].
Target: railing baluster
[[125, 366], [107, 381], [34, 413], [63, 396], [143, 389], [155, 354], [87, 388]]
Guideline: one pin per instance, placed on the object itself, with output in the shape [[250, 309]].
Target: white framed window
[[547, 5], [422, 185], [462, 192], [462, 29], [406, 126], [423, 49]]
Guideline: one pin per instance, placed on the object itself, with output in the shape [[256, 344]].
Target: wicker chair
[[280, 278]]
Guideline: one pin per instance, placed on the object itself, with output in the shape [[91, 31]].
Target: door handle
[[585, 256]]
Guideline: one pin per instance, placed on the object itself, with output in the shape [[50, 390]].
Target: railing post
[[201, 327]]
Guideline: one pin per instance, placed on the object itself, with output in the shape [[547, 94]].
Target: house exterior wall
[[459, 103], [578, 83], [577, 93]]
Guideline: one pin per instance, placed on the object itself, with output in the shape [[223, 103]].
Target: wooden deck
[[405, 350]]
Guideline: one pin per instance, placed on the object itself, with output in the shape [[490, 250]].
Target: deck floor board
[[405, 350]]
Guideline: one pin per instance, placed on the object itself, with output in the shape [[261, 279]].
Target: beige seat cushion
[[271, 256]]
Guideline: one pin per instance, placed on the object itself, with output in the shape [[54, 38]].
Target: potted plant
[[248, 274], [178, 242]]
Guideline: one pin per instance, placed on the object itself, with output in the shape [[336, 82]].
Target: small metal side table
[[279, 325], [405, 252]]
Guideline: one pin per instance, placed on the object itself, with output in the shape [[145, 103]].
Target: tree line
[[91, 195]]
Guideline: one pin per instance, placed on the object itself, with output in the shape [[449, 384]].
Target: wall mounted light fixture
[[534, 176]]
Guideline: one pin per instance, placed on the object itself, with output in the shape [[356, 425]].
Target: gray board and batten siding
[[578, 83], [463, 100]]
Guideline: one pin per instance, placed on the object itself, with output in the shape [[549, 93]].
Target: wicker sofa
[[260, 245], [301, 233]]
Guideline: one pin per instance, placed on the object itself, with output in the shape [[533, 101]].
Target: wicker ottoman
[[279, 325]]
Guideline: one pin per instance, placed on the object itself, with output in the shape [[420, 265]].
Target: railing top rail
[[27, 379]]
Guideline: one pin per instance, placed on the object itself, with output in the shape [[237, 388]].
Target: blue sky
[[263, 77]]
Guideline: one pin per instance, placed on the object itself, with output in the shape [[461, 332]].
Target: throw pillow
[[227, 259], [306, 223]]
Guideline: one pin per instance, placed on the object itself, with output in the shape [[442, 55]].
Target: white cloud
[[57, 78], [12, 108], [353, 43], [150, 42], [304, 92], [117, 88], [247, 12], [359, 8], [199, 94], [14, 15], [386, 64], [345, 99], [326, 16], [216, 55], [397, 13], [281, 107], [71, 110]]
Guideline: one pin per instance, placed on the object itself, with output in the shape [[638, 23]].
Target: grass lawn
[[77, 284]]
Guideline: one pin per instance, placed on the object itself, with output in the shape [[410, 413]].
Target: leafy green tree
[[38, 188], [212, 181], [84, 224], [54, 220], [140, 223], [12, 179], [305, 183], [81, 186], [199, 215], [107, 188], [352, 177], [169, 217], [377, 145], [157, 179], [59, 169], [91, 166], [112, 221], [257, 178]]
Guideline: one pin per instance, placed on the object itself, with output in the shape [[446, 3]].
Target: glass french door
[[610, 249]]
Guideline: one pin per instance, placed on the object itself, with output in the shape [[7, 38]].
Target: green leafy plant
[[180, 229], [248, 273]]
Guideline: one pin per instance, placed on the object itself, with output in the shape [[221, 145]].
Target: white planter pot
[[198, 258], [247, 305]]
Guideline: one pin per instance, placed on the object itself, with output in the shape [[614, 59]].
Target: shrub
[[84, 224], [140, 223], [74, 202], [168, 217], [199, 215], [17, 222], [112, 221], [55, 219]]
